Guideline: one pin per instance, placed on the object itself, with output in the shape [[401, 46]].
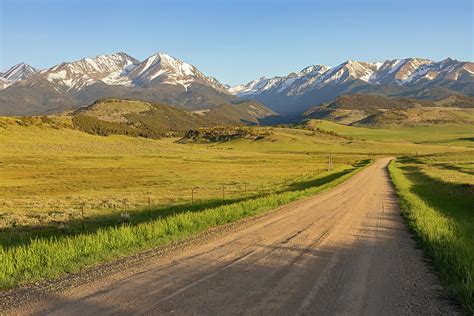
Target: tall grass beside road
[[441, 214]]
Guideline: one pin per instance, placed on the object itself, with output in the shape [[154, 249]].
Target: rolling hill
[[360, 109], [155, 120]]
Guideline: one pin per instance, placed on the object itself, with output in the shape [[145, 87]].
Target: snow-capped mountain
[[168, 70], [121, 69], [162, 78], [400, 77], [158, 78], [109, 69], [16, 73], [294, 80]]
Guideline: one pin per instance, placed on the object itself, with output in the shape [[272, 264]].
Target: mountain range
[[25, 90], [411, 77], [159, 78]]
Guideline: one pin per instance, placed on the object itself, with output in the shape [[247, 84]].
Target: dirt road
[[345, 251]]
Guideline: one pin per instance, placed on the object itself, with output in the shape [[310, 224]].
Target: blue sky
[[236, 41]]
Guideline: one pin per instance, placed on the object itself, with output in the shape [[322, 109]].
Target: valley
[[236, 157], [107, 162]]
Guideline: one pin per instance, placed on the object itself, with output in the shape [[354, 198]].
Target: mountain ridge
[[162, 78], [410, 77], [69, 85]]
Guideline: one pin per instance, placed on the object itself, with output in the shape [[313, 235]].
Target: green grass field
[[437, 199], [51, 173], [459, 135], [50, 170]]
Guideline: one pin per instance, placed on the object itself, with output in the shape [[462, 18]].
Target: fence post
[[223, 192], [245, 189], [82, 216], [192, 195], [149, 207]]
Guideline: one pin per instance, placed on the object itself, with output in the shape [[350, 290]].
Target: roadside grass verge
[[12, 237], [44, 258], [441, 215]]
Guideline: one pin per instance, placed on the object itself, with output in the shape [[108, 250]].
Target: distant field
[[459, 135]]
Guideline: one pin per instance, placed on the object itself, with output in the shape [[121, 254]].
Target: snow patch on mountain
[[59, 75], [395, 65]]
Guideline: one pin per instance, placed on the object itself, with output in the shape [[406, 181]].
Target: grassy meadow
[[69, 199], [436, 194], [449, 135], [50, 171], [53, 176]]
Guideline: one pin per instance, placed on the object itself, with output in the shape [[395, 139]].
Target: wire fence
[[81, 210]]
